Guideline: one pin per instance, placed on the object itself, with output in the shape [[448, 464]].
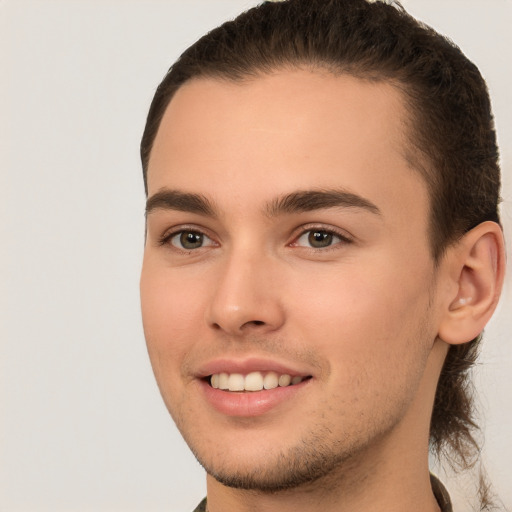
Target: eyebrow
[[309, 200], [295, 202], [180, 201]]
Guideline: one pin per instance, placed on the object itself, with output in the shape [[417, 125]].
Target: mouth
[[253, 381]]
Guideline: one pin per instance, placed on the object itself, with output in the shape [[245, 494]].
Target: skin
[[360, 316]]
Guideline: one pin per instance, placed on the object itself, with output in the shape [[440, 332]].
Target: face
[[288, 292]]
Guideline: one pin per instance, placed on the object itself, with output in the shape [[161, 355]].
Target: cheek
[[370, 318], [171, 311], [372, 336]]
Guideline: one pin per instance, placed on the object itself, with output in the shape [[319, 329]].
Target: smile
[[253, 381]]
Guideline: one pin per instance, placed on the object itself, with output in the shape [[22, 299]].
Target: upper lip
[[245, 366]]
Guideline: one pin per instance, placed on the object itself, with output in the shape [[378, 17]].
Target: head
[[447, 140]]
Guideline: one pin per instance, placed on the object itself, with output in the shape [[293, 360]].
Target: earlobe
[[476, 267]]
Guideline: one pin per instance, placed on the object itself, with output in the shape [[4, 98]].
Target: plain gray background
[[82, 426]]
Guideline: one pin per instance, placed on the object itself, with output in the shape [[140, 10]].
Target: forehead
[[296, 105], [286, 131]]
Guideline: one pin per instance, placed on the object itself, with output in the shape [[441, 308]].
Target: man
[[323, 251]]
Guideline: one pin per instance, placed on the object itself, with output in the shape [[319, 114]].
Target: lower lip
[[250, 403]]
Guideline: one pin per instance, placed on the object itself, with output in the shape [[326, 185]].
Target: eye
[[319, 239], [188, 240]]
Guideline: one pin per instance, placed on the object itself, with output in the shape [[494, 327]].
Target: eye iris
[[191, 240], [320, 239]]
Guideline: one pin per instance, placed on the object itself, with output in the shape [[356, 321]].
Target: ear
[[475, 267]]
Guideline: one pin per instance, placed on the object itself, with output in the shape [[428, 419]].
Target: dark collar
[[439, 490], [441, 494]]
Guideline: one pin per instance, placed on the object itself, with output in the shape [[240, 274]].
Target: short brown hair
[[451, 130]]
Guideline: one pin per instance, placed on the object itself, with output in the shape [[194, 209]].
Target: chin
[[269, 470]]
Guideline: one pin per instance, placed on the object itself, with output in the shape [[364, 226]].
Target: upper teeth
[[254, 381]]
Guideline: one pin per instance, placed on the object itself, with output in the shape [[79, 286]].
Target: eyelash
[[344, 239], [166, 238]]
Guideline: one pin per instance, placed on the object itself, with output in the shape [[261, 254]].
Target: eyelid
[[206, 241], [345, 237], [169, 234]]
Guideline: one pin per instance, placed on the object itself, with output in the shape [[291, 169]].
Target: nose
[[247, 296]]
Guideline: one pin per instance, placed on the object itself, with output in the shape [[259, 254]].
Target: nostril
[[253, 323]]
